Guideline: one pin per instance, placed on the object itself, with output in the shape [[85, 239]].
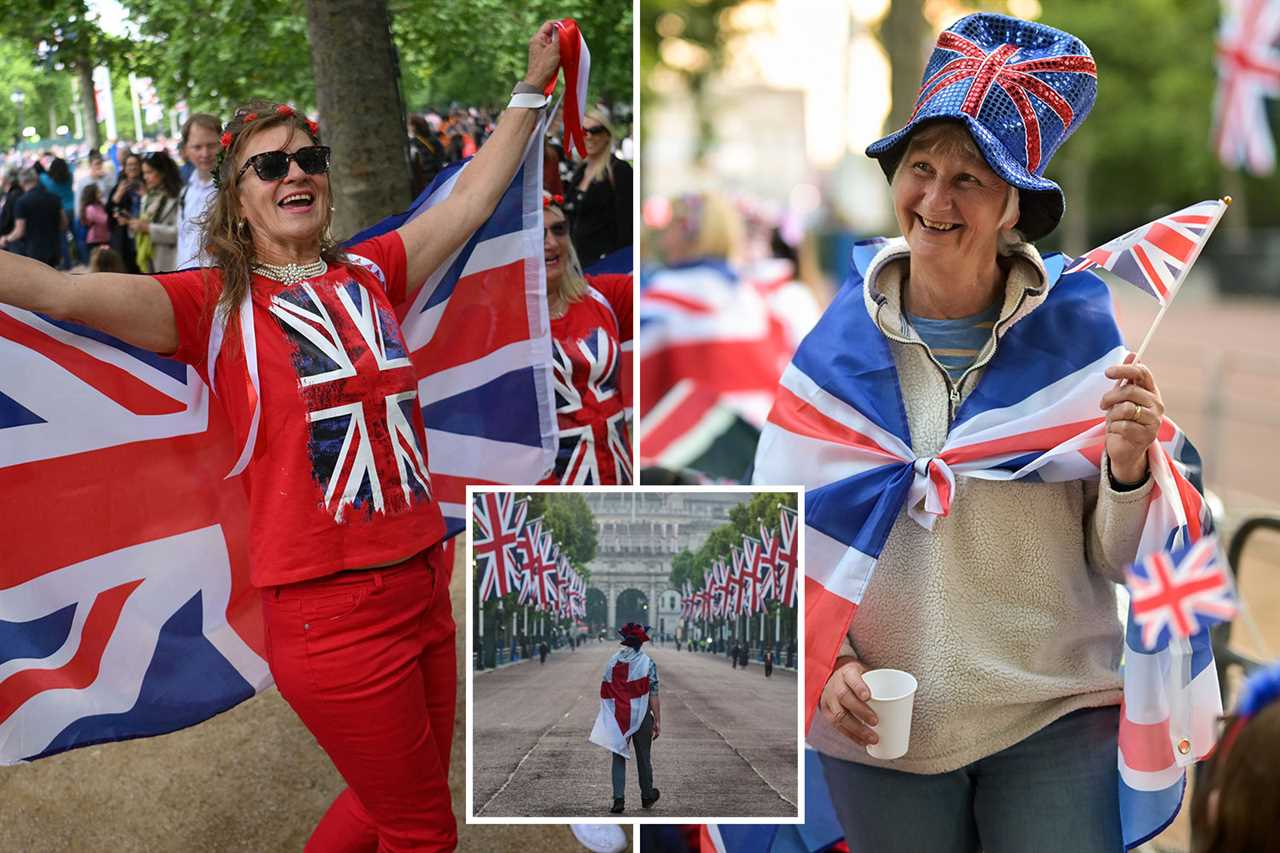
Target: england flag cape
[[839, 428], [624, 700], [125, 604]]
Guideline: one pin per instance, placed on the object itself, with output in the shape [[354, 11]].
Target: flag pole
[[1177, 285]]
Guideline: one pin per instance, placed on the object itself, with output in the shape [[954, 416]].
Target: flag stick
[[1177, 285]]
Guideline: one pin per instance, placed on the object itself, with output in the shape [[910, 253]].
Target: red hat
[[634, 631]]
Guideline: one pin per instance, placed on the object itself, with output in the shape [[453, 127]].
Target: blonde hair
[[952, 139], [573, 282], [226, 236], [713, 228], [594, 173]]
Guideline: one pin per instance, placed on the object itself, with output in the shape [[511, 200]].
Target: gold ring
[[1137, 415]]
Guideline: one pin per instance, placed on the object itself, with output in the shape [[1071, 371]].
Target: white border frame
[[469, 793]]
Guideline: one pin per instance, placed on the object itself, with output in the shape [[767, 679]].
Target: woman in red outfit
[[302, 348], [590, 331]]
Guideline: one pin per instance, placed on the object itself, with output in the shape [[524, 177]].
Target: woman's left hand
[[544, 56], [1134, 414]]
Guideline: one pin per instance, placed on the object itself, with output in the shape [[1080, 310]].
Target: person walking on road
[[543, 651], [629, 714]]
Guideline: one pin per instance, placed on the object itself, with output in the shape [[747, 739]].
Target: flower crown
[[548, 199], [228, 138]]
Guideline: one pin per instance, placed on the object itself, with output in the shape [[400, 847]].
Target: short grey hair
[[28, 176], [951, 137]]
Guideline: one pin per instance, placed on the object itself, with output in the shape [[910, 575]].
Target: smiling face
[[555, 246], [597, 143], [286, 217], [949, 203]]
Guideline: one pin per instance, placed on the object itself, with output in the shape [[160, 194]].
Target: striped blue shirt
[[955, 343]]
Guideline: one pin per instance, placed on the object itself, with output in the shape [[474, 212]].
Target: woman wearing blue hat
[[1002, 601]]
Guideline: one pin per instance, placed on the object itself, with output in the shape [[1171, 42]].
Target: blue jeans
[[1054, 791]]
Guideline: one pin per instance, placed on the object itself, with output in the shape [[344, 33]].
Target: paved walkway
[[727, 749]]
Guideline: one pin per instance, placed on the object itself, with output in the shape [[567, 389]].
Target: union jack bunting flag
[[499, 518], [686, 602], [545, 575], [528, 551], [747, 599], [1181, 594], [719, 583], [788, 556], [1248, 74], [839, 429], [767, 567], [1155, 258], [733, 600], [463, 372]]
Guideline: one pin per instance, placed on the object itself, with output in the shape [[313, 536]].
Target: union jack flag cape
[[137, 617], [838, 427]]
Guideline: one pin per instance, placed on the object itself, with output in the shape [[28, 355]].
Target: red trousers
[[367, 661]]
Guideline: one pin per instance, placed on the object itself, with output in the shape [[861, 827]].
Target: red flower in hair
[[284, 110], [313, 127], [548, 200], [250, 117], [227, 139]]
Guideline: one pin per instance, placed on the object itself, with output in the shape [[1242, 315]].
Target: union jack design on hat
[[1020, 89]]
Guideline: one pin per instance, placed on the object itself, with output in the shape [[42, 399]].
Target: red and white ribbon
[[575, 59]]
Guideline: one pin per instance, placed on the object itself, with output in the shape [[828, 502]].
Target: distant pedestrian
[[103, 259], [768, 663], [543, 651], [38, 221], [630, 714]]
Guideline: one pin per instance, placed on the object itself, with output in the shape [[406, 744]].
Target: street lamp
[[19, 98]]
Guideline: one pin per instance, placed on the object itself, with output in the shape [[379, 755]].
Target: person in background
[[93, 217], [103, 259], [155, 229], [38, 222], [200, 144], [57, 180], [124, 203], [590, 329], [1236, 804], [426, 154], [10, 192], [95, 172], [599, 195]]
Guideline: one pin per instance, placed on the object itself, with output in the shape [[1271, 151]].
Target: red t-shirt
[[338, 478], [587, 351]]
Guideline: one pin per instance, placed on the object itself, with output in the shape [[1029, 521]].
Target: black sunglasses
[[558, 229], [274, 165], [594, 129]]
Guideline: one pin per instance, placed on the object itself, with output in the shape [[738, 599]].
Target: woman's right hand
[[844, 702]]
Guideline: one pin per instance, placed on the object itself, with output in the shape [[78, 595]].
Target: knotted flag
[[839, 428]]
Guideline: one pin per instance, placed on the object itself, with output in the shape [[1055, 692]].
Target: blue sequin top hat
[[1021, 89]]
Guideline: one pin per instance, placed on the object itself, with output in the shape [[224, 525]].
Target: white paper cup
[[893, 692]]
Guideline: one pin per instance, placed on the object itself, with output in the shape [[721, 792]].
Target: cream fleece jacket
[[1006, 611]]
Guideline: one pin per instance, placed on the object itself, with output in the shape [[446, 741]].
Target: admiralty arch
[[638, 534]]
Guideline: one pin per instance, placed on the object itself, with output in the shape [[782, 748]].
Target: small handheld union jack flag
[[1181, 595], [1155, 257]]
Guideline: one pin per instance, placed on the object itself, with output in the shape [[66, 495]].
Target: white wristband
[[527, 101]]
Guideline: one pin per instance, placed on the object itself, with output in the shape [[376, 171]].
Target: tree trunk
[[904, 33], [88, 104], [361, 116]]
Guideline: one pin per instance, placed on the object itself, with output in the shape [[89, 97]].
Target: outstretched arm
[[431, 238], [133, 308]]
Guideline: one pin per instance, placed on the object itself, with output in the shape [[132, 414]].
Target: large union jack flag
[[839, 429], [1000, 70], [1181, 594], [125, 606], [1155, 257], [499, 520], [1248, 74]]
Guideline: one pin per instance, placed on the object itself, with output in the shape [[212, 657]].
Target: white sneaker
[[600, 837]]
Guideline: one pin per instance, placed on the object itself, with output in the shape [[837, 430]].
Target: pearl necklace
[[291, 274]]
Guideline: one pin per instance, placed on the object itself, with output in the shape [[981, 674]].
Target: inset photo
[[634, 654]]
